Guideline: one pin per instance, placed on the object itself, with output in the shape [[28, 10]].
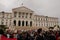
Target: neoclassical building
[[25, 17]]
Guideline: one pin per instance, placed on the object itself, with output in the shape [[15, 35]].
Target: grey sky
[[42, 7]]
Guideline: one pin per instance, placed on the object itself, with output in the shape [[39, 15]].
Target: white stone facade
[[23, 16]]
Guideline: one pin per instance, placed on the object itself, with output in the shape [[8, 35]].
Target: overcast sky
[[42, 7]]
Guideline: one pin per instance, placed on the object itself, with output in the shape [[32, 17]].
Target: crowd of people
[[38, 34]]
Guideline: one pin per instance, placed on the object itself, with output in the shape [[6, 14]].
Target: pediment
[[23, 8]]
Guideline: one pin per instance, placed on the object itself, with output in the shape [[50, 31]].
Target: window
[[22, 16], [36, 18], [42, 24], [36, 24], [7, 15], [6, 23], [10, 22], [2, 23], [26, 15], [30, 15], [41, 19], [15, 13], [2, 19], [23, 13], [3, 14], [19, 14]]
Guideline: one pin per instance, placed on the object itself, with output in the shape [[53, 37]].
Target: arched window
[[19, 23], [14, 22], [22, 23], [30, 23], [26, 23]]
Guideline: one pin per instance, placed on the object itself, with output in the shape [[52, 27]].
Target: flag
[[4, 38], [12, 39]]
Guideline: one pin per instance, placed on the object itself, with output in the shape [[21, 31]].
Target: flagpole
[[22, 3]]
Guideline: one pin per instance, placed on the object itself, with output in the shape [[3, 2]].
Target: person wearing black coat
[[19, 37], [39, 35]]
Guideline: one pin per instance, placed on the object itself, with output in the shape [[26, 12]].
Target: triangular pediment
[[22, 8]]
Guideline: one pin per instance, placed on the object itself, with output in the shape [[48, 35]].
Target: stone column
[[16, 22], [17, 14], [21, 23], [12, 23], [24, 23], [28, 23]]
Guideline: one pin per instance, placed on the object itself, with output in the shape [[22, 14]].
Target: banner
[[5, 38]]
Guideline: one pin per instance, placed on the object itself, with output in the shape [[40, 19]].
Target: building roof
[[46, 16], [5, 12]]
